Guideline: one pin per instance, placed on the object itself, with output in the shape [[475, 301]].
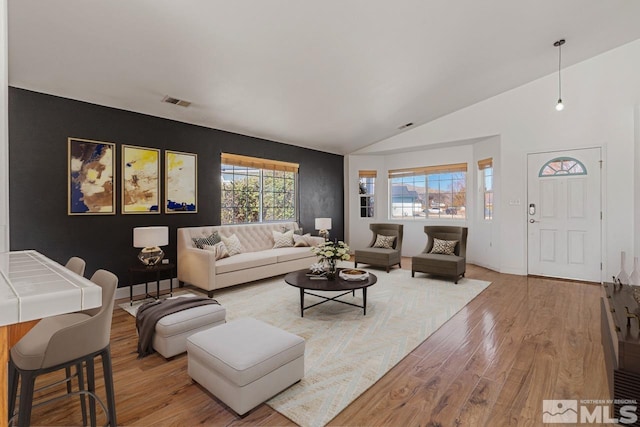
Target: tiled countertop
[[33, 286]]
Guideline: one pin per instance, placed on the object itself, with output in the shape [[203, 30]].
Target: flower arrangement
[[332, 251]]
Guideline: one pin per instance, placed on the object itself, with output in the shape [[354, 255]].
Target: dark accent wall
[[39, 126]]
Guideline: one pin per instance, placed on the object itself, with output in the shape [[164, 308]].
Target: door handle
[[533, 220]]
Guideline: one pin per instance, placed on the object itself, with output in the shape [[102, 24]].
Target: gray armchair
[[380, 256], [453, 265]]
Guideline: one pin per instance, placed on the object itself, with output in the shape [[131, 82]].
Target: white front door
[[564, 214]]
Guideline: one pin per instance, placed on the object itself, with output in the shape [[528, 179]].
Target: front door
[[564, 214]]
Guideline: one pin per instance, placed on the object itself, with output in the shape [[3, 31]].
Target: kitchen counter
[[33, 286]]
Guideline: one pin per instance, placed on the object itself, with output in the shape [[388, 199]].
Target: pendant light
[[558, 44]]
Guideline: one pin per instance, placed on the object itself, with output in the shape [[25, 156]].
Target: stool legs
[[108, 385], [27, 383], [13, 387], [91, 387], [26, 380]]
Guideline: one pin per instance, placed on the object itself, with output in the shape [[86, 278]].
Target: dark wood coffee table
[[299, 279]]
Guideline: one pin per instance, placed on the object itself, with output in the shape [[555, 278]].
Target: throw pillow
[[209, 240], [282, 240], [297, 231], [445, 247], [234, 247], [384, 242], [219, 250], [304, 240]]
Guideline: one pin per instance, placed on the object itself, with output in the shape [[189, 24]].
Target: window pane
[[563, 166], [433, 195], [366, 191], [488, 205], [254, 195], [487, 181], [408, 197]]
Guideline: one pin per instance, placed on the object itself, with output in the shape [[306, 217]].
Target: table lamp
[[149, 239], [323, 225]]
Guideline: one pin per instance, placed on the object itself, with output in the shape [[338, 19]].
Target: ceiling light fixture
[[558, 44]]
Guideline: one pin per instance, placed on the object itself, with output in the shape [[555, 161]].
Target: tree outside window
[[256, 190]]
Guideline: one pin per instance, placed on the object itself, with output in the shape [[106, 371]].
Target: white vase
[[623, 277], [634, 279]]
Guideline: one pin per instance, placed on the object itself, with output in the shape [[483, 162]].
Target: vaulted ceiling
[[333, 75]]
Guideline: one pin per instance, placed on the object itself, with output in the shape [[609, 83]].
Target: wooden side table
[[146, 271]]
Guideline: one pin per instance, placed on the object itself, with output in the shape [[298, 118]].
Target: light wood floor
[[521, 341]]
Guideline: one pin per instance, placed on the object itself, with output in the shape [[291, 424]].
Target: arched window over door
[[562, 166]]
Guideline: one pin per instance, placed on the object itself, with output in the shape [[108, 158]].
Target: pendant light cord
[[559, 74]]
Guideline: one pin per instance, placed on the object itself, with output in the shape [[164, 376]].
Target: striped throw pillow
[[209, 240], [282, 240], [234, 247], [219, 250]]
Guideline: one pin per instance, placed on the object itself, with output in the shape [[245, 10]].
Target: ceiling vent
[[175, 101]]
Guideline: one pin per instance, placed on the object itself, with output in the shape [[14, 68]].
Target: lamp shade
[[148, 237], [323, 223]]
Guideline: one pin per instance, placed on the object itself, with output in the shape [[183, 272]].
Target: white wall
[[483, 245], [4, 134], [600, 96]]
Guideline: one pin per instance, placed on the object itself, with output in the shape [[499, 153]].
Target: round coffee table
[[299, 279]]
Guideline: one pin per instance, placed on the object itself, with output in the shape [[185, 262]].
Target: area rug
[[347, 352]]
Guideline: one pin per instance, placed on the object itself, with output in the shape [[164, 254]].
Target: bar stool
[[77, 265], [63, 342]]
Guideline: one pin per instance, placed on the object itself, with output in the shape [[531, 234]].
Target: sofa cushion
[[246, 260], [282, 240], [192, 318], [290, 254]]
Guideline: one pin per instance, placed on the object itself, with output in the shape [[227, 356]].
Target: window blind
[[368, 174], [485, 163], [425, 170], [258, 163]]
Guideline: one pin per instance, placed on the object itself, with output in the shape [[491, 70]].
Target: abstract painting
[[90, 175], [182, 182], [140, 180]]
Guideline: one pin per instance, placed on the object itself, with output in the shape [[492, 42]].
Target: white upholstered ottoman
[[245, 362], [171, 331]]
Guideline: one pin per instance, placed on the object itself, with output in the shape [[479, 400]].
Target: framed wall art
[[181, 187], [91, 168], [140, 180]]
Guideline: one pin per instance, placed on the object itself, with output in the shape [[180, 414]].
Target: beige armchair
[[442, 264], [381, 256]]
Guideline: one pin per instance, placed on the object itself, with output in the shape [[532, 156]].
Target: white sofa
[[259, 259]]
